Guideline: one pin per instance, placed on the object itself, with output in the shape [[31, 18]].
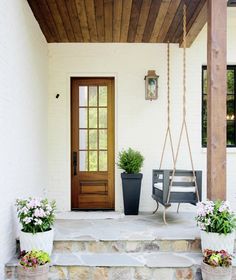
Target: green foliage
[[36, 215], [130, 161], [216, 217], [34, 258]]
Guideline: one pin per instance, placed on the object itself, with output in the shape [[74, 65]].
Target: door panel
[[92, 122]]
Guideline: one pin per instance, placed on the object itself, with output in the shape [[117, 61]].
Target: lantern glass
[[151, 86]]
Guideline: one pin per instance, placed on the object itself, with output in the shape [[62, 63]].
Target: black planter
[[131, 185]]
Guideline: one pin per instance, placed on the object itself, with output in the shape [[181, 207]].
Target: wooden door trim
[[74, 81]]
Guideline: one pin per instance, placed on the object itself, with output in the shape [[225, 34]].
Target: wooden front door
[[92, 143]]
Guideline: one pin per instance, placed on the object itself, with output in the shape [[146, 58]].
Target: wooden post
[[217, 90]]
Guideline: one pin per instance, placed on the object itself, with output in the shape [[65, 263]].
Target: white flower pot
[[216, 273], [215, 241], [38, 241]]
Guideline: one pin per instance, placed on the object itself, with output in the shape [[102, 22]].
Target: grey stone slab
[[162, 260], [66, 259], [110, 260]]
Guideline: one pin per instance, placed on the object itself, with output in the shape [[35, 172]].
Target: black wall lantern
[[151, 85]]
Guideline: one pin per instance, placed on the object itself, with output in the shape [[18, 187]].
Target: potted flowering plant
[[217, 224], [216, 265], [36, 217], [33, 265]]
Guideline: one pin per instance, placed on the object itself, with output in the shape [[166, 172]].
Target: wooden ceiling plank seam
[[191, 7], [99, 14], [92, 25], [62, 8], [117, 12], [168, 19], [108, 15], [134, 18], [142, 20], [47, 17], [153, 13], [126, 11], [74, 19], [177, 21], [58, 20], [196, 27], [38, 16], [191, 21], [81, 11], [159, 20]]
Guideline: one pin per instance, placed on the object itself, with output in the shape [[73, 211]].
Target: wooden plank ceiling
[[147, 21]]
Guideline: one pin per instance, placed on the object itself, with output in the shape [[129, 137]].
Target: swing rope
[[168, 130], [184, 124]]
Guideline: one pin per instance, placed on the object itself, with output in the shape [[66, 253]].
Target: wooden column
[[217, 90]]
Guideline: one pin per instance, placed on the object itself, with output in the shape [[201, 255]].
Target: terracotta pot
[[216, 273], [215, 241], [38, 241], [38, 273]]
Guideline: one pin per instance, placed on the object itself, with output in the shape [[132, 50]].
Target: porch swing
[[175, 185]]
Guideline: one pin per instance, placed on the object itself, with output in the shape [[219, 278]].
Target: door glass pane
[[102, 161], [93, 165], [103, 96], [103, 117], [83, 95], [93, 139], [93, 118], [230, 133], [230, 81], [83, 161], [103, 139], [83, 118], [92, 96], [83, 139], [204, 108]]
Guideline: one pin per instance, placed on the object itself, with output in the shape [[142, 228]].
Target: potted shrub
[[36, 217], [131, 162], [33, 265], [216, 265], [217, 223]]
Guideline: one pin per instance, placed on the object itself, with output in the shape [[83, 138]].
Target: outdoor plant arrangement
[[217, 223], [131, 162], [216, 265], [33, 265], [37, 218]]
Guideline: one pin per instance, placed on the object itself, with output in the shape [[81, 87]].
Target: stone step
[[127, 246], [119, 266]]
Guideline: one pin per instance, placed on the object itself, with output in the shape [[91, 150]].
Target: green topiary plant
[[130, 161]]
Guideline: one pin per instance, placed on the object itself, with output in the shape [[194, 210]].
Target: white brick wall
[[23, 115], [141, 126]]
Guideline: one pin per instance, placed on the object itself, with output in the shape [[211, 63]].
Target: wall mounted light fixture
[[151, 85]]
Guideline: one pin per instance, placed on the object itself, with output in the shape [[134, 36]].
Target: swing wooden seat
[[183, 189]]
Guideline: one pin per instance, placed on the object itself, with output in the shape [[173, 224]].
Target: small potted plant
[[33, 265], [131, 162], [36, 217], [216, 265], [217, 224]]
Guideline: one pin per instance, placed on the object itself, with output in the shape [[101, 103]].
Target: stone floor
[[142, 227]]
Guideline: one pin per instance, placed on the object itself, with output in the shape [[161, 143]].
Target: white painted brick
[[23, 115]]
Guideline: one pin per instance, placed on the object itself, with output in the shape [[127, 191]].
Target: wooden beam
[[142, 20], [99, 10], [134, 17], [117, 12], [216, 101], [196, 27], [81, 10], [108, 8], [168, 20], [90, 9], [126, 11], [71, 7], [159, 20]]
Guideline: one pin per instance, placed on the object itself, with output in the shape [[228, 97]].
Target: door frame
[[113, 87]]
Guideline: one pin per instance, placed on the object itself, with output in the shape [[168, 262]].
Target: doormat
[[88, 215]]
